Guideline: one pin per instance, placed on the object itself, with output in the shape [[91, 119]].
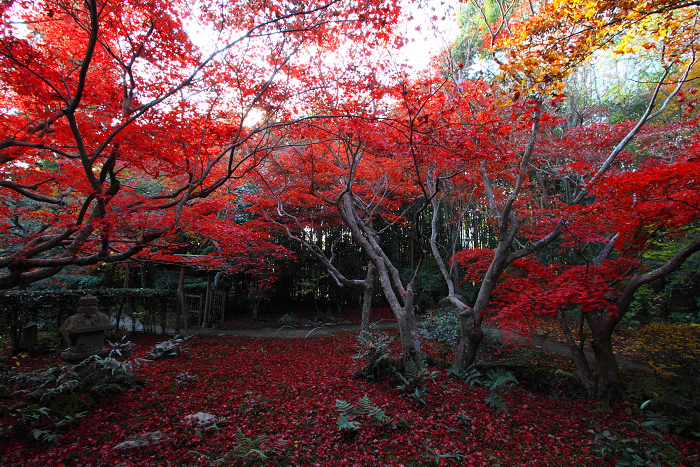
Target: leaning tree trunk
[[470, 318], [400, 299], [579, 357]]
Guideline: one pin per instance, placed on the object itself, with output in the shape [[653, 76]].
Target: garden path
[[289, 332]]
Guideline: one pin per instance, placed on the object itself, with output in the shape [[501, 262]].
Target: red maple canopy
[[116, 122]]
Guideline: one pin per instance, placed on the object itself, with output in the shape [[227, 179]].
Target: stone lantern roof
[[87, 318]]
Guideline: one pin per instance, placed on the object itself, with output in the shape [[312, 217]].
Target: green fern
[[61, 393], [343, 406], [363, 405], [378, 415], [47, 436], [374, 350], [496, 402], [657, 422], [345, 424], [413, 380], [500, 378], [470, 376], [257, 449], [349, 415]]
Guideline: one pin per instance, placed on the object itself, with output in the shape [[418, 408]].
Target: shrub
[[374, 350], [289, 319], [442, 326], [645, 446], [674, 404]]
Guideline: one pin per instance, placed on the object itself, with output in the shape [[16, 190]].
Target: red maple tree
[[115, 120]]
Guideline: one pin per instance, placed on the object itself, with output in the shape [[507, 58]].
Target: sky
[[431, 31]]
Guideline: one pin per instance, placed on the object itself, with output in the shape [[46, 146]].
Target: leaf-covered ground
[[275, 402]]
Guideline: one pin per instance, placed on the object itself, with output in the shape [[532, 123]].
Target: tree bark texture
[[367, 296], [583, 369], [468, 343]]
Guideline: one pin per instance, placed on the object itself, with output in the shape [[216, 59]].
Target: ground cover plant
[[255, 401]]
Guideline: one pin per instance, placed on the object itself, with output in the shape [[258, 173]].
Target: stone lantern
[[86, 331]]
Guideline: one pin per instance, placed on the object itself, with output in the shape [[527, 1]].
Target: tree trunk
[[410, 338], [471, 317], [608, 377], [607, 371], [118, 317], [579, 357], [144, 278], [256, 306], [608, 374], [400, 299], [469, 342], [367, 296], [181, 315]]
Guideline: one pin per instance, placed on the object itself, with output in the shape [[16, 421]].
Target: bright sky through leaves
[[433, 28]]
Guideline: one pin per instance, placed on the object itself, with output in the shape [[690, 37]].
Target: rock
[[146, 439], [201, 418], [29, 337], [445, 304]]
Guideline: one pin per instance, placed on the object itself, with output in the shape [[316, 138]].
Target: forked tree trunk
[[608, 375], [579, 357], [605, 384], [399, 298], [508, 227], [470, 318], [405, 314]]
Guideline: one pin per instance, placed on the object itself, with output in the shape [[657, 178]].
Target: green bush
[[289, 319], [441, 326], [674, 402], [644, 446]]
